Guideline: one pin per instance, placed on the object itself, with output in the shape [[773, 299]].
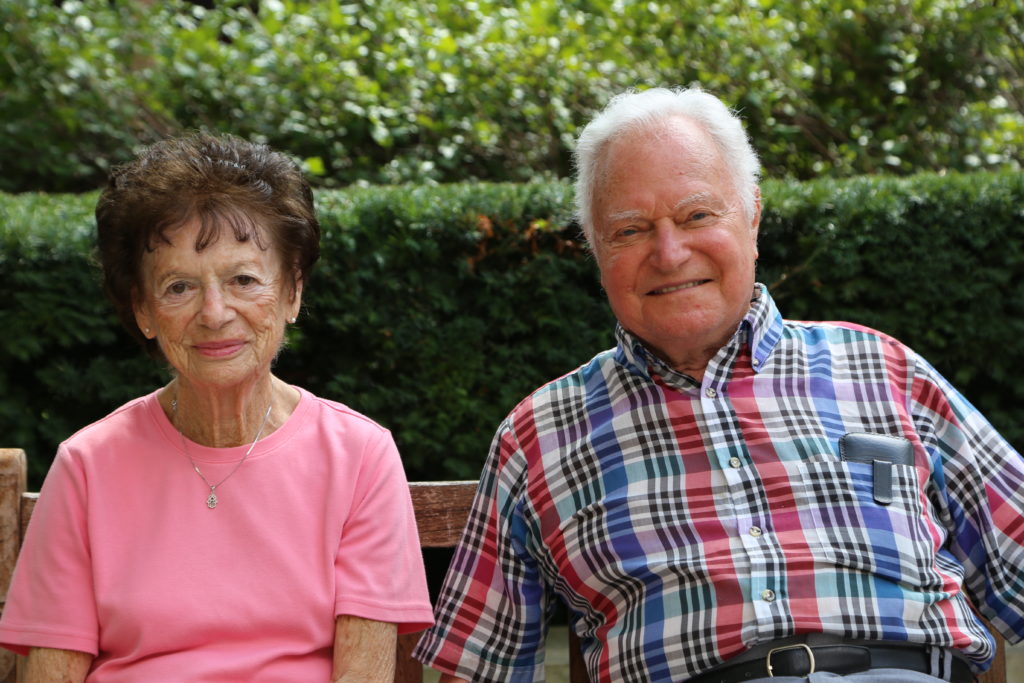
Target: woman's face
[[218, 314]]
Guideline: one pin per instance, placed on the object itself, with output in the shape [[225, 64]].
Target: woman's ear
[[143, 318], [296, 302]]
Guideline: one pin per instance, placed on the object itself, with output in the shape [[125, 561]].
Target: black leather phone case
[[882, 451]]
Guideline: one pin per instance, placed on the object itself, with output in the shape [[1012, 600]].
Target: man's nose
[[671, 245]]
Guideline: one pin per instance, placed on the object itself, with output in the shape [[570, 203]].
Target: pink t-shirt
[[124, 560]]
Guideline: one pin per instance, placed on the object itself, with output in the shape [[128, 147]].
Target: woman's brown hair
[[221, 181]]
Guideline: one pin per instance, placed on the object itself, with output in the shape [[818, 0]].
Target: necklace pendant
[[211, 502]]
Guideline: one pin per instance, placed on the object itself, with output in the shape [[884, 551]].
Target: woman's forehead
[[206, 227]]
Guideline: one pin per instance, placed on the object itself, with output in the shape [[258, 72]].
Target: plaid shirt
[[684, 522]]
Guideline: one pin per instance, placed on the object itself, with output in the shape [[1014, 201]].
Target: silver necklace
[[211, 500]]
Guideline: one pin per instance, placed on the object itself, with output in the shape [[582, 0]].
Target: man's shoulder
[[839, 330], [571, 387]]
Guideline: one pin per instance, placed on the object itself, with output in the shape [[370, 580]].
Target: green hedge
[[398, 91], [436, 308]]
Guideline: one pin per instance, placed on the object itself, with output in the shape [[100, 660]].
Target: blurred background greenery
[[438, 135], [388, 91]]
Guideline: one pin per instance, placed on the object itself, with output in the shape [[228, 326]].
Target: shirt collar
[[762, 326]]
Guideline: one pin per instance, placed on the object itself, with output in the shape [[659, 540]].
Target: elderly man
[[727, 495]]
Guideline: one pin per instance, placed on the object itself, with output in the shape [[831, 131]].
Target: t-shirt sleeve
[[379, 565], [51, 602]]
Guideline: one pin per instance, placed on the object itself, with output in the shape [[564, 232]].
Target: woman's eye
[[177, 288], [245, 280]]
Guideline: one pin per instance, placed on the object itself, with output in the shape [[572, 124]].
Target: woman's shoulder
[[126, 419], [344, 435], [114, 439], [334, 413]]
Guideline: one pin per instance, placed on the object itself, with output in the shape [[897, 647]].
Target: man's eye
[[699, 215]]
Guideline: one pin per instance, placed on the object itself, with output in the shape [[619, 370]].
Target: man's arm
[[47, 665], [445, 678], [364, 650], [494, 590]]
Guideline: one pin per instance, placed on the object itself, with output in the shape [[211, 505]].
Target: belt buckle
[[810, 656]]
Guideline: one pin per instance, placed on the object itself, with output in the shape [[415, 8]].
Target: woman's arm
[[46, 665], [364, 650]]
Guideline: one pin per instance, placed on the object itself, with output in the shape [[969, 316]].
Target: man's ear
[[755, 220]]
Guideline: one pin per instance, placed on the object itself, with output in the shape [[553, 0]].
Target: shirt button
[[756, 362], [755, 531], [710, 393], [768, 595], [734, 462]]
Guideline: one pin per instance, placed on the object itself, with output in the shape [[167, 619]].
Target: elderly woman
[[228, 526]]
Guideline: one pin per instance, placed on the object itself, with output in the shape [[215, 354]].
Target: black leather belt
[[801, 659]]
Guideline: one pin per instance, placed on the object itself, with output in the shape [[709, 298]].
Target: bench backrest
[[442, 509]]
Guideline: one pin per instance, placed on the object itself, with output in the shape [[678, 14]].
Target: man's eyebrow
[[634, 214], [628, 215], [692, 199]]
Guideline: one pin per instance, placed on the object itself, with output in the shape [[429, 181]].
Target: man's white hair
[[632, 111]]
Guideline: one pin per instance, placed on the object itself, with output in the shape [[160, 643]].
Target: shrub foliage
[[396, 91], [436, 308]]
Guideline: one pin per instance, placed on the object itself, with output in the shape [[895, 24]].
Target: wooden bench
[[441, 511]]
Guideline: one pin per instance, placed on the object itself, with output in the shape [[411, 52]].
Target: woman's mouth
[[219, 349]]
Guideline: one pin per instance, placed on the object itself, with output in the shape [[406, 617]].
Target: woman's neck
[[224, 418]]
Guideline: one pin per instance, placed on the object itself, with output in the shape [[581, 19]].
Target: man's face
[[674, 244]]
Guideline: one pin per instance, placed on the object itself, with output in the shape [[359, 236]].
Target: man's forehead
[[624, 214], [667, 130]]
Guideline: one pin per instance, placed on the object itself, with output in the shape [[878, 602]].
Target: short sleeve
[[979, 482], [491, 614], [379, 565], [51, 602]]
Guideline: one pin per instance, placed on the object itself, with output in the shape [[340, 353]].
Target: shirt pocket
[[855, 532]]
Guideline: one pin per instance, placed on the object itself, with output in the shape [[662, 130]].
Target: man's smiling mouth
[[676, 288]]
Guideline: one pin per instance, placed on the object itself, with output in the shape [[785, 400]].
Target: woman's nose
[[216, 310]]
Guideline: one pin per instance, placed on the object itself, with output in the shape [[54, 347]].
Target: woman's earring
[[292, 320]]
